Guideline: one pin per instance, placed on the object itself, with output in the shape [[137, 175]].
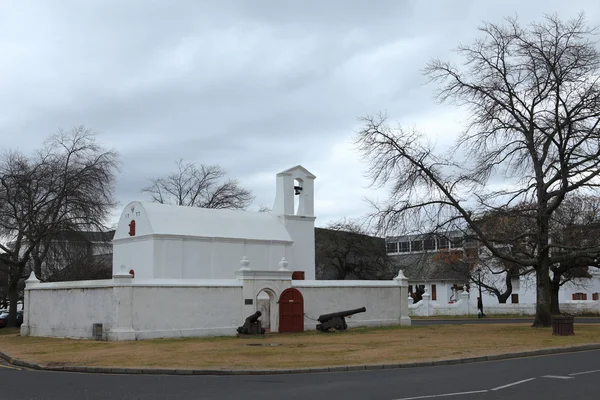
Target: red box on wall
[[298, 275]]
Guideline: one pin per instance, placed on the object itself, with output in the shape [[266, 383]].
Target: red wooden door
[[291, 311]]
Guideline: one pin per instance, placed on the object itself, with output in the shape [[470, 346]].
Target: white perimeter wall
[[131, 309], [382, 299], [149, 309], [66, 311], [163, 311]]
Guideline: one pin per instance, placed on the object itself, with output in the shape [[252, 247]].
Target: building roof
[[296, 168], [422, 267], [166, 219]]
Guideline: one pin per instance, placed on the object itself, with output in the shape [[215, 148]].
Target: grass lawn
[[308, 349]]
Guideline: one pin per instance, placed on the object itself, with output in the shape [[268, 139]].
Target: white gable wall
[[188, 242], [136, 254]]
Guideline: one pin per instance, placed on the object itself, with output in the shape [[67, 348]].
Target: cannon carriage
[[336, 320]]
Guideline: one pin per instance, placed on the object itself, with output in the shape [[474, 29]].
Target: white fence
[[427, 307]]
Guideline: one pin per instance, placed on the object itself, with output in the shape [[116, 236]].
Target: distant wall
[[427, 307]]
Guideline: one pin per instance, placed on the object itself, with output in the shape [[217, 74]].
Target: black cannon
[[336, 320], [252, 325]]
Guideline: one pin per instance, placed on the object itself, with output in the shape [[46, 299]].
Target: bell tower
[[296, 181], [300, 222]]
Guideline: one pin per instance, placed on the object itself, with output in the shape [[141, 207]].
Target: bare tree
[[346, 249], [497, 275], [533, 95], [202, 186], [575, 224], [77, 256], [66, 186]]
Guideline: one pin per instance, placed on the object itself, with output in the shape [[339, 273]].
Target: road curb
[[343, 368]]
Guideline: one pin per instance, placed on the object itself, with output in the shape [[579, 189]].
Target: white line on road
[[584, 372], [557, 377], [512, 384], [442, 395]]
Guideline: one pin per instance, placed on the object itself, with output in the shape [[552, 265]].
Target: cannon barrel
[[326, 317], [254, 317]]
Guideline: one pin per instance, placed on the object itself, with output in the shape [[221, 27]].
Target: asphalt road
[[564, 376], [458, 321]]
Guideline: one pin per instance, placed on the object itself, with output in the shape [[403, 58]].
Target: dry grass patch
[[309, 349]]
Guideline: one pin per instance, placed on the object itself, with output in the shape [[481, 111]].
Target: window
[[579, 296], [417, 245], [514, 298], [594, 296], [433, 293], [410, 291], [392, 247], [443, 243], [429, 244], [457, 241], [404, 247]]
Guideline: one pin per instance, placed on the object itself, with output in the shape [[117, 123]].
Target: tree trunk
[[554, 289], [502, 297], [13, 297], [543, 316]]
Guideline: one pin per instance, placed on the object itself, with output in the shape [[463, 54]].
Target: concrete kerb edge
[[339, 368]]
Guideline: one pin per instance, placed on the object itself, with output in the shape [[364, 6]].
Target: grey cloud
[[256, 86]]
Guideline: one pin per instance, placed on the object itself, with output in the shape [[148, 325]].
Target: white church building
[[188, 271]]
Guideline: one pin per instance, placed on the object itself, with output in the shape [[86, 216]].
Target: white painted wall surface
[[69, 310], [137, 255], [189, 243], [155, 308], [131, 309], [382, 300], [186, 311], [460, 308], [178, 257], [302, 231]]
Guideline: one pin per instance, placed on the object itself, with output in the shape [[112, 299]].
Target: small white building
[[203, 271], [166, 241]]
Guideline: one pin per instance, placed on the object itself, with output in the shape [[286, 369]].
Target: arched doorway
[[265, 303], [291, 311]]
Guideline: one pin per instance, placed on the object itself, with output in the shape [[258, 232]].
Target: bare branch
[[198, 187], [533, 138]]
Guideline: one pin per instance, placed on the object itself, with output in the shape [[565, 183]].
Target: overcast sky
[[255, 86]]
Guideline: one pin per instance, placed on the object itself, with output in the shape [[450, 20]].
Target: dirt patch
[[309, 349]]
